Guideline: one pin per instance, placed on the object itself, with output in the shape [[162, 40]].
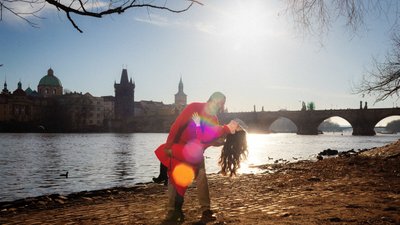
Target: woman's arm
[[207, 133]]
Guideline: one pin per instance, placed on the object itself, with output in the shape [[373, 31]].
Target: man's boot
[[208, 216], [162, 177]]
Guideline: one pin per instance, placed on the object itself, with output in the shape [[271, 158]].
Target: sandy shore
[[362, 188]]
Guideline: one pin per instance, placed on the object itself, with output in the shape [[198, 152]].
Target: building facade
[[80, 112], [49, 110], [20, 110]]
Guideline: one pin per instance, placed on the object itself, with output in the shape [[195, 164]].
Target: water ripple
[[31, 164]]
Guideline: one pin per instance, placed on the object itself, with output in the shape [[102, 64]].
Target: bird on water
[[64, 175]]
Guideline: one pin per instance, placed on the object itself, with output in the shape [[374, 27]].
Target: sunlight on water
[[256, 144], [31, 164], [283, 148]]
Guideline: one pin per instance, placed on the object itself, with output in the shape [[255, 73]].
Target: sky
[[248, 49]]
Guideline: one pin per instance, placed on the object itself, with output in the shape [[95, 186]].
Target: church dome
[[50, 80]]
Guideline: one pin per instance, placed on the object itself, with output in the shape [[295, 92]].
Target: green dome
[[50, 79]]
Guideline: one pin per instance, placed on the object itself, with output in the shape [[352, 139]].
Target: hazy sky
[[250, 50]]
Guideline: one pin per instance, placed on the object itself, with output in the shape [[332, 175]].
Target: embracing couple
[[181, 157]]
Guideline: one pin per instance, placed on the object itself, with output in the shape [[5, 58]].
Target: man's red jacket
[[188, 142]]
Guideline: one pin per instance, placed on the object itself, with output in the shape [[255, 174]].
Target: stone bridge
[[363, 121]]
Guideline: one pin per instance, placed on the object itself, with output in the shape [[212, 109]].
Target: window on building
[[17, 110]]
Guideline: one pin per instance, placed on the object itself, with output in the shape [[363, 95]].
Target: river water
[[31, 164]]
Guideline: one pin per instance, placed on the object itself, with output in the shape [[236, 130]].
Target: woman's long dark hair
[[233, 152]]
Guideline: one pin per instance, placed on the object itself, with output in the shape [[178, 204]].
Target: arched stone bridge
[[363, 121]]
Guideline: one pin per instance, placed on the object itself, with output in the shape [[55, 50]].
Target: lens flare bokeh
[[183, 175], [193, 152]]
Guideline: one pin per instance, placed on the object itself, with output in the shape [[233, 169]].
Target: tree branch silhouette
[[317, 16], [384, 79], [82, 8]]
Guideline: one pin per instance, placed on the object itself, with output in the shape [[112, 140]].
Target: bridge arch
[[385, 125], [366, 120], [362, 121], [388, 119], [283, 125], [334, 124]]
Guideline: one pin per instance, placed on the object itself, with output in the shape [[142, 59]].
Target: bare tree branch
[[21, 14], [73, 23], [384, 79], [82, 8], [317, 16]]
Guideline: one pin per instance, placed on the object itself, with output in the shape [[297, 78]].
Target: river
[[31, 164]]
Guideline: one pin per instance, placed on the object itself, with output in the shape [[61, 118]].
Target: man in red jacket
[[182, 132]]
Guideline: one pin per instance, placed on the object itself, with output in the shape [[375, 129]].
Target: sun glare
[[255, 143], [245, 22]]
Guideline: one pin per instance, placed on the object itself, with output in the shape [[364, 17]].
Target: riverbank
[[361, 188]]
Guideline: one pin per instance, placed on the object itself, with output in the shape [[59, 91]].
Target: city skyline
[[251, 52]]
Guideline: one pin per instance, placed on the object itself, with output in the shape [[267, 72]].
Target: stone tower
[[124, 97], [180, 97]]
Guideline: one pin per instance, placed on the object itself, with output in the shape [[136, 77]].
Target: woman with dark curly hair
[[233, 152]]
